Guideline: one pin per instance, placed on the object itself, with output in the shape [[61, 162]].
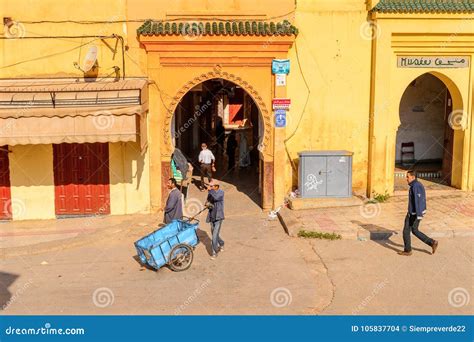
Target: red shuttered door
[[5, 195], [81, 179]]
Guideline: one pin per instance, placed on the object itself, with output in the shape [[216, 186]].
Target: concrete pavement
[[450, 214], [262, 271], [370, 278]]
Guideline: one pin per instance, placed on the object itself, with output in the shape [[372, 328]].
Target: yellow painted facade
[[344, 85]]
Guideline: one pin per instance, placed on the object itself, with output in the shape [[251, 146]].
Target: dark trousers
[[411, 226], [206, 171]]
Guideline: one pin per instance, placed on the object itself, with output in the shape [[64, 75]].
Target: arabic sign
[[433, 62], [280, 118], [281, 66], [281, 104]]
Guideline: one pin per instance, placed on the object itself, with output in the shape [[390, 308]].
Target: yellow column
[[280, 159]]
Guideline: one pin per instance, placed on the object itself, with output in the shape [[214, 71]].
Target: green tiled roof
[[424, 6], [217, 28]]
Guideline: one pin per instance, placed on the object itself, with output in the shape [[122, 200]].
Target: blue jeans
[[217, 242]]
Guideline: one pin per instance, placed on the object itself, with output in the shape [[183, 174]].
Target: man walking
[[174, 204], [215, 216], [416, 210], [207, 160]]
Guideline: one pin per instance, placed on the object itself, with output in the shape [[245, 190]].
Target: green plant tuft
[[318, 235], [380, 198]]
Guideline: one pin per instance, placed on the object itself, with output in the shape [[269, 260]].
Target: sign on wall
[[280, 118], [281, 66], [280, 80], [432, 61], [281, 104]]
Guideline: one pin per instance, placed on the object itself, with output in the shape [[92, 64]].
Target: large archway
[[224, 117], [427, 139], [258, 133]]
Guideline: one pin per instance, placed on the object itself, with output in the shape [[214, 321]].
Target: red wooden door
[[5, 194], [81, 179]]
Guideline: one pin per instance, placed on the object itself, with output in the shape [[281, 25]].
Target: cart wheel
[[181, 257]]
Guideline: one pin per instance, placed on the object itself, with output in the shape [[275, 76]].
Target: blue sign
[[281, 66], [280, 118]]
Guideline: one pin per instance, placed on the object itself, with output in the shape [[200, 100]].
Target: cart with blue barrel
[[171, 245]]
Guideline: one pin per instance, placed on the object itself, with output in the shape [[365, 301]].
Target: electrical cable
[[59, 37], [47, 56], [92, 22], [303, 111]]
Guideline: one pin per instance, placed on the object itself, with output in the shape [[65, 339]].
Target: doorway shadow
[[6, 280], [205, 239], [382, 235]]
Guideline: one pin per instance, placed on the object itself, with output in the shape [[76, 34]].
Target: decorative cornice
[[215, 28], [424, 6]]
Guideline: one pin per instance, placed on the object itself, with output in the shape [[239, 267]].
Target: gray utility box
[[325, 174]]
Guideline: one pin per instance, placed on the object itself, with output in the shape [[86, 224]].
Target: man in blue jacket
[[416, 211], [215, 216]]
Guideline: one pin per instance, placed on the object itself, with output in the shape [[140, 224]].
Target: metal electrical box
[[325, 174]]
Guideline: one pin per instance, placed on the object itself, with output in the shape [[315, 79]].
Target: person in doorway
[[215, 216], [416, 211], [220, 136], [174, 203], [207, 161], [230, 150], [244, 156]]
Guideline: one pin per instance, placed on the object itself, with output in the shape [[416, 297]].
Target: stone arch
[[452, 87], [459, 120], [266, 145]]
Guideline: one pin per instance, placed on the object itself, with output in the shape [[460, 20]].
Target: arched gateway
[[179, 60]]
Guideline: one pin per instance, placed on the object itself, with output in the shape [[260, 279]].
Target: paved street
[[370, 278], [261, 271]]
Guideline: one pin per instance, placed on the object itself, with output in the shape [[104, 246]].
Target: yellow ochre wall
[[31, 166], [334, 58]]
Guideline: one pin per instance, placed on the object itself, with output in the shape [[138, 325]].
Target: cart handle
[[190, 219]]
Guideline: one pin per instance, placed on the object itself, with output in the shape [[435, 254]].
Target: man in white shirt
[[207, 160]]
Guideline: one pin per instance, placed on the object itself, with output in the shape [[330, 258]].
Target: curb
[[292, 225]]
